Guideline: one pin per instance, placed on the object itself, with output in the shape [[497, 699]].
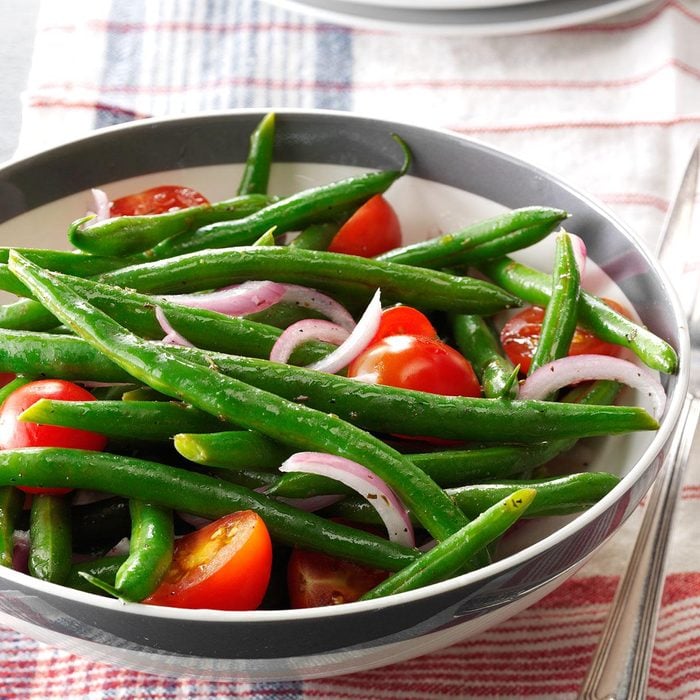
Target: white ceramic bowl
[[452, 181]]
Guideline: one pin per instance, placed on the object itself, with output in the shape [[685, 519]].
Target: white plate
[[422, 6], [486, 17]]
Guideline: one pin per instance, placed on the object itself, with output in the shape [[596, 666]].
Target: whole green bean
[[316, 236], [428, 289], [11, 502], [382, 409], [534, 287], [448, 558], [232, 449], [50, 537], [560, 316], [561, 495], [138, 420], [477, 342], [16, 383], [126, 235], [256, 173], [490, 238], [150, 550], [207, 389], [289, 214], [184, 490], [26, 314], [68, 262]]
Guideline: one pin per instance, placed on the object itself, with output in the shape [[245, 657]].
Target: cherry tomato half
[[223, 566], [373, 229], [15, 433], [416, 362], [157, 200], [6, 378], [315, 579], [521, 333], [403, 320]]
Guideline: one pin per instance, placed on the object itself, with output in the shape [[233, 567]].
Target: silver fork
[[620, 666]]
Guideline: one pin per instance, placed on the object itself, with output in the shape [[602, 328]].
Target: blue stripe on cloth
[[123, 51], [334, 67]]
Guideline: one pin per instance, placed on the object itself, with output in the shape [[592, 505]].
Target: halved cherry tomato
[[223, 566], [416, 362], [521, 333], [16, 433], [315, 579], [6, 378], [403, 320], [157, 200], [373, 229]]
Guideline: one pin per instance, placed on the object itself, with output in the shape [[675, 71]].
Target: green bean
[[139, 420], [11, 502], [71, 262], [449, 557], [103, 568], [26, 314], [126, 235], [490, 238], [477, 342], [184, 490], [560, 316], [534, 287], [555, 496], [289, 214], [374, 407], [316, 236], [242, 404], [429, 289], [256, 173], [50, 538], [150, 550], [232, 449], [16, 383], [381, 409]]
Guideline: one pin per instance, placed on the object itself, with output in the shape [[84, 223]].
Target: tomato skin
[[315, 579], [403, 320], [521, 334], [416, 362], [373, 229], [15, 433], [225, 565], [157, 200], [6, 378]]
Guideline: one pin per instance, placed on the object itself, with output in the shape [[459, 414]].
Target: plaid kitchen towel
[[612, 107]]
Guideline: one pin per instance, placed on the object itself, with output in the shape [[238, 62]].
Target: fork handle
[[620, 666]]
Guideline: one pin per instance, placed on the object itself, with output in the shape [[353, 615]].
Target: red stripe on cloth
[[186, 27], [46, 103], [649, 200], [550, 126]]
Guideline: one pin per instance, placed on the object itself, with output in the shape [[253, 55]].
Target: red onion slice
[[120, 549], [580, 252], [172, 337], [312, 503], [101, 205], [236, 300], [309, 298], [581, 368], [20, 551], [303, 331], [356, 342], [367, 484], [196, 521]]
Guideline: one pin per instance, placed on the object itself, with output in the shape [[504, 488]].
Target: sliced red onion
[[362, 480], [582, 368], [196, 521], [309, 298], [20, 551], [236, 300], [83, 497], [88, 384], [101, 205], [120, 549], [172, 337], [303, 331], [356, 342]]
